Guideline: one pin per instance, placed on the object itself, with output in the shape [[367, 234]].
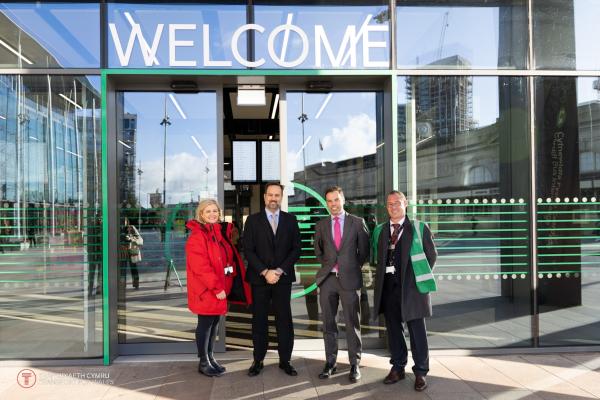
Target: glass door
[[166, 163], [333, 138]]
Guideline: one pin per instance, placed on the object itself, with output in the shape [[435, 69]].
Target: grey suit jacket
[[353, 252]]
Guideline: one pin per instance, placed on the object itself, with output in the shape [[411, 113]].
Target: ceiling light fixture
[[177, 106], [275, 103], [325, 102], [199, 146], [15, 52], [70, 101], [124, 144], [251, 95], [2, 117]]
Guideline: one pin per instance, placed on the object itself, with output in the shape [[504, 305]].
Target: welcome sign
[[144, 39]]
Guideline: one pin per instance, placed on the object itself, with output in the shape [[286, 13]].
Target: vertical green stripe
[[395, 184], [105, 297]]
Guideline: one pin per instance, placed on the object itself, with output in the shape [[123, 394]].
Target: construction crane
[[442, 36]]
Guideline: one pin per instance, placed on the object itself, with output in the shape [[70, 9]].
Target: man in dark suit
[[396, 293], [342, 247], [272, 247]]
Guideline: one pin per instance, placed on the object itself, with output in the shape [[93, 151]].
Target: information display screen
[[244, 161], [270, 161]]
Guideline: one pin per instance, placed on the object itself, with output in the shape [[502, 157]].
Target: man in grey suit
[[396, 293], [341, 246]]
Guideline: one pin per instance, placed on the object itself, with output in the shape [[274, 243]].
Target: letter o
[[280, 61]]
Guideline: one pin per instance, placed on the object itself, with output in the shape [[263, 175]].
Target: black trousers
[[206, 332], [279, 297], [416, 329]]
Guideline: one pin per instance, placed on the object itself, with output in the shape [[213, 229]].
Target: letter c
[[234, 45]]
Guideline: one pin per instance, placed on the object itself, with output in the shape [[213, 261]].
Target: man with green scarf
[[405, 256]]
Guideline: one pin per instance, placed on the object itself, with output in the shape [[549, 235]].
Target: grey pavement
[[504, 377]]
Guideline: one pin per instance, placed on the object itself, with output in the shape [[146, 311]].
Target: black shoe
[[394, 376], [215, 364], [420, 383], [288, 368], [255, 368], [354, 373], [206, 368], [328, 370]]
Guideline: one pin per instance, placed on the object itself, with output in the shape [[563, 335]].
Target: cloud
[[356, 139], [186, 177]]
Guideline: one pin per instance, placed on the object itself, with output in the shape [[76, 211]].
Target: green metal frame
[[106, 73]]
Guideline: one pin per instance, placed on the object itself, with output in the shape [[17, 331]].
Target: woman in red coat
[[215, 273]]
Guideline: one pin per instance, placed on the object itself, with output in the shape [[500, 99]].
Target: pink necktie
[[337, 232]]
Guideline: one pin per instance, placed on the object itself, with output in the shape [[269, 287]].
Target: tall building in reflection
[[127, 164], [444, 104]]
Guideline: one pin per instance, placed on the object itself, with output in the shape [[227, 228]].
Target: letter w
[[348, 42], [149, 53]]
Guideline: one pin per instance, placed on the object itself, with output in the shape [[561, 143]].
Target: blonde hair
[[202, 206]]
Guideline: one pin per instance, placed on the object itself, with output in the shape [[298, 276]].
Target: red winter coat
[[208, 252]]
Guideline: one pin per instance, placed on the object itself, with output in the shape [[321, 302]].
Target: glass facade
[[460, 35], [50, 217], [167, 161], [485, 113], [54, 35], [470, 137], [333, 139]]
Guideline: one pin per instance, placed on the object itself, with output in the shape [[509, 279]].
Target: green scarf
[[423, 275]]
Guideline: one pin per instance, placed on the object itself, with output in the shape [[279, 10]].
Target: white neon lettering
[[280, 60], [173, 44], [234, 45], [336, 61], [206, 50], [149, 53], [326, 54], [367, 44]]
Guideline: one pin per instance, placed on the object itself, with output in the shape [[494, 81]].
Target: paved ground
[[511, 377]]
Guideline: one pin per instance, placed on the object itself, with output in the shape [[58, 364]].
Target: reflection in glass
[[472, 150], [50, 217], [459, 35], [565, 34], [185, 36], [568, 170], [333, 139], [337, 36], [34, 35], [167, 162]]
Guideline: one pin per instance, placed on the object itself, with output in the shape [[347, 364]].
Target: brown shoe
[[394, 376], [420, 383]]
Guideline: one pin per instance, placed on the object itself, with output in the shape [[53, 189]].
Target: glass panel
[[50, 217], [472, 149], [49, 35], [565, 34], [164, 36], [167, 149], [333, 139], [568, 226], [457, 35], [338, 36]]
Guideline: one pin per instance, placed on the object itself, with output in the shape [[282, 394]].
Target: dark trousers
[[331, 294], [416, 329], [279, 297], [206, 332]]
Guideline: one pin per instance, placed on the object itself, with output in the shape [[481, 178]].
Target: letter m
[[347, 48], [149, 53]]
